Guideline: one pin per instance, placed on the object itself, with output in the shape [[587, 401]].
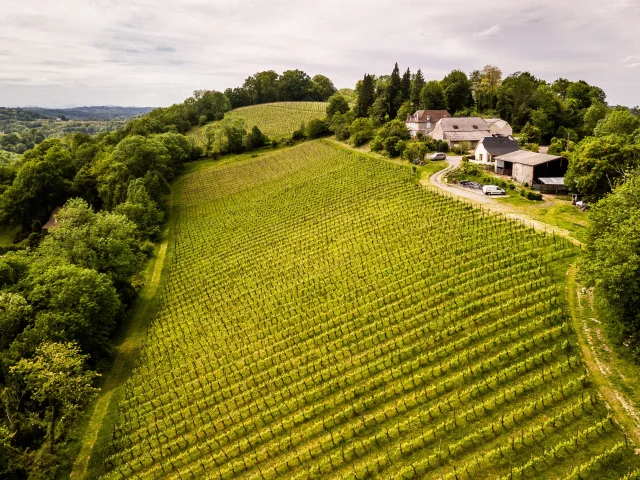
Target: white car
[[492, 190], [438, 156]]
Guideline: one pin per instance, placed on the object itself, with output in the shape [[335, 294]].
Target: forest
[[22, 129]]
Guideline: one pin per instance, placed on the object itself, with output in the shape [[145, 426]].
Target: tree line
[[290, 86]]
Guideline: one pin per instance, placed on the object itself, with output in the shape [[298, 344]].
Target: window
[[455, 127], [475, 127]]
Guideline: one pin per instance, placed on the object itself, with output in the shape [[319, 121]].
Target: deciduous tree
[[56, 377], [432, 96]]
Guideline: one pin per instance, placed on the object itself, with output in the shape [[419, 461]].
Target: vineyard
[[326, 317], [276, 120]]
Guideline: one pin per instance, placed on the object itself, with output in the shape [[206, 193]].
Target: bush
[[461, 148], [533, 147], [393, 146], [361, 131], [254, 139], [441, 146], [202, 120], [530, 134], [340, 124], [376, 144], [317, 128], [299, 134], [534, 195]]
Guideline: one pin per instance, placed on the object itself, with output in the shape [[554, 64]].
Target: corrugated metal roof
[[526, 157], [552, 180]]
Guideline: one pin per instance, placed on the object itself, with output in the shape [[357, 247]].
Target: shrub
[[361, 131], [254, 139], [393, 146], [300, 133], [530, 134], [317, 128], [340, 124], [376, 144], [441, 146], [395, 128], [534, 195]]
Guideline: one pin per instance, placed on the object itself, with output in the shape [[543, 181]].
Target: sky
[[67, 53]]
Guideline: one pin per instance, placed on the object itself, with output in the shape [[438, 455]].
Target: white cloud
[[491, 31], [156, 52], [632, 61]]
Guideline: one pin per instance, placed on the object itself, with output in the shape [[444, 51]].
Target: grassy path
[[97, 435], [605, 368]]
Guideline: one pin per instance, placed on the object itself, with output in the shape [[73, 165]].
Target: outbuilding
[[527, 167], [53, 221], [490, 147], [499, 126]]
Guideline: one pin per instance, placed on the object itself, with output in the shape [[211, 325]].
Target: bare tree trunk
[[52, 427]]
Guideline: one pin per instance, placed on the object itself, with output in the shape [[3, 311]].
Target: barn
[[527, 167]]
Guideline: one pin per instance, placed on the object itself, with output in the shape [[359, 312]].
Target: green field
[[276, 120], [326, 317]]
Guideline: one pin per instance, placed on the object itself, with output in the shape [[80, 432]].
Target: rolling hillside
[[276, 120], [325, 317]]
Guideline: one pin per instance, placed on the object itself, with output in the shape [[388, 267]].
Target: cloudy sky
[[156, 52]]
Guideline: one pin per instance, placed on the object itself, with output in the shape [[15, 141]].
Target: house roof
[[526, 157], [52, 220], [464, 124], [492, 121], [552, 180], [432, 116], [474, 136], [500, 144]]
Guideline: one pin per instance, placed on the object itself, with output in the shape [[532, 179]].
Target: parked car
[[582, 205], [438, 156], [492, 190]]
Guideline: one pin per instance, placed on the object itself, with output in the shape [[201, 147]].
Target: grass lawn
[[7, 236], [554, 211]]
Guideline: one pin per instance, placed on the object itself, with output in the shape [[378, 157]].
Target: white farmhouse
[[424, 121], [490, 147]]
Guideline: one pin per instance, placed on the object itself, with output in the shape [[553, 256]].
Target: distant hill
[[276, 120], [23, 128], [96, 113]]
